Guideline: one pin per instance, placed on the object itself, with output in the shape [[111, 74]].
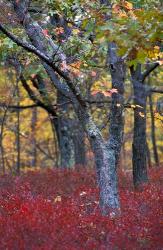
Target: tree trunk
[[79, 144], [65, 139], [33, 138], [61, 124], [153, 136], [149, 157], [139, 146], [70, 136], [105, 163], [17, 170], [116, 126]]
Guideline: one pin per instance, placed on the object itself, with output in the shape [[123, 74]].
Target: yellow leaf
[[156, 48], [70, 25], [75, 31], [122, 14]]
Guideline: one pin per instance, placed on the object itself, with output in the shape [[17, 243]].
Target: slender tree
[[153, 134], [33, 138], [139, 147]]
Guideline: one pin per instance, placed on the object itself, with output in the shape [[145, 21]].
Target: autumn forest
[[81, 125]]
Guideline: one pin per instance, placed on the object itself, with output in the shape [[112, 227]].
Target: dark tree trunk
[[61, 124], [70, 136], [139, 145], [33, 138], [79, 144], [149, 157], [64, 134], [153, 136], [17, 141]]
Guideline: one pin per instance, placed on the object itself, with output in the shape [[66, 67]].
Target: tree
[[105, 159], [139, 139], [138, 46]]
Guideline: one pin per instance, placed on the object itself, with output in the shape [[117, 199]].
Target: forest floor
[[59, 210]]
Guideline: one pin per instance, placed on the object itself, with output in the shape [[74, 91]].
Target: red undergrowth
[[59, 210]]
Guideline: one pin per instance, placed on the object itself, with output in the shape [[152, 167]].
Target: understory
[[58, 209]]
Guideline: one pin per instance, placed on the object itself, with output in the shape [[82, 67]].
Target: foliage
[[59, 210]]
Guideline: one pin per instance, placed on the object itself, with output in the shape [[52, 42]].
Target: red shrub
[[59, 210]]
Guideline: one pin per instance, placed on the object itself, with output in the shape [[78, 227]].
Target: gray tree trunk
[[116, 126], [105, 163]]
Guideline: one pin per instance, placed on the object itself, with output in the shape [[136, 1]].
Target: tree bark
[[17, 141], [139, 146], [116, 126], [105, 163], [61, 124], [79, 144], [65, 139], [153, 134], [148, 157], [33, 138]]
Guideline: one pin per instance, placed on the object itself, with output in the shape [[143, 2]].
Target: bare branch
[[155, 90], [4, 105], [149, 70]]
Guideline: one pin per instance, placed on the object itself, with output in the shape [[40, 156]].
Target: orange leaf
[[110, 92], [95, 92], [127, 5], [160, 61], [106, 93], [93, 73], [122, 14], [45, 32], [33, 76], [64, 66], [59, 30], [113, 91], [116, 8]]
